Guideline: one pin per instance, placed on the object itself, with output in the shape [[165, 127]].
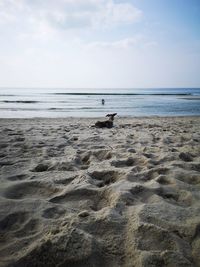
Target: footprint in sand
[[105, 198], [187, 177], [164, 180], [30, 228], [147, 175], [41, 167], [154, 238], [123, 163], [190, 166], [155, 172], [17, 177], [55, 166], [74, 195], [65, 181], [84, 198], [180, 198], [6, 163], [53, 213], [31, 189], [97, 154], [139, 194], [105, 177], [186, 156], [13, 221], [102, 154]]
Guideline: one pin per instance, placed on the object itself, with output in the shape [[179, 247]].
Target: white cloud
[[8, 11], [68, 14], [120, 44]]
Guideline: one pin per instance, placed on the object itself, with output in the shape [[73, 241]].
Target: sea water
[[53, 103]]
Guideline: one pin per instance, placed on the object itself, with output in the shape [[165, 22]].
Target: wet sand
[[73, 195]]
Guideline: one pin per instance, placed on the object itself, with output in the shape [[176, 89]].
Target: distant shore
[[75, 195]]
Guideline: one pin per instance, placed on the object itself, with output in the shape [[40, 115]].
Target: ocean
[[53, 103]]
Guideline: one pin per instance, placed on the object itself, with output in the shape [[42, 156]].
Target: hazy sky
[[100, 43]]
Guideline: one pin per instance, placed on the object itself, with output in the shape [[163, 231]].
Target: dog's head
[[111, 116]]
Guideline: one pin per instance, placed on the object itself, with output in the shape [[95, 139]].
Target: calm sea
[[28, 103]]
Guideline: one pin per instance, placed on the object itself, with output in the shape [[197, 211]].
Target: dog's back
[[108, 123], [104, 124]]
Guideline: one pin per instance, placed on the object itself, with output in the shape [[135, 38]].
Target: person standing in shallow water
[[102, 101]]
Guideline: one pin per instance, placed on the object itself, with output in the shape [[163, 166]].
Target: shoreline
[[80, 196], [103, 117]]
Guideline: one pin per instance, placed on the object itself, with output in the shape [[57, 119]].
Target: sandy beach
[[72, 195]]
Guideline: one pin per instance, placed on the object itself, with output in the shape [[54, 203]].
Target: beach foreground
[[73, 195]]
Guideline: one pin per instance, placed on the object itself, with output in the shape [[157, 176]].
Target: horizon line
[[100, 88]]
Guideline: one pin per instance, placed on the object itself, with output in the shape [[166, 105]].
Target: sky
[[100, 43]]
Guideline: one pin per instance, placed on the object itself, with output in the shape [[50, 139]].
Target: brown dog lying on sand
[[106, 124]]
